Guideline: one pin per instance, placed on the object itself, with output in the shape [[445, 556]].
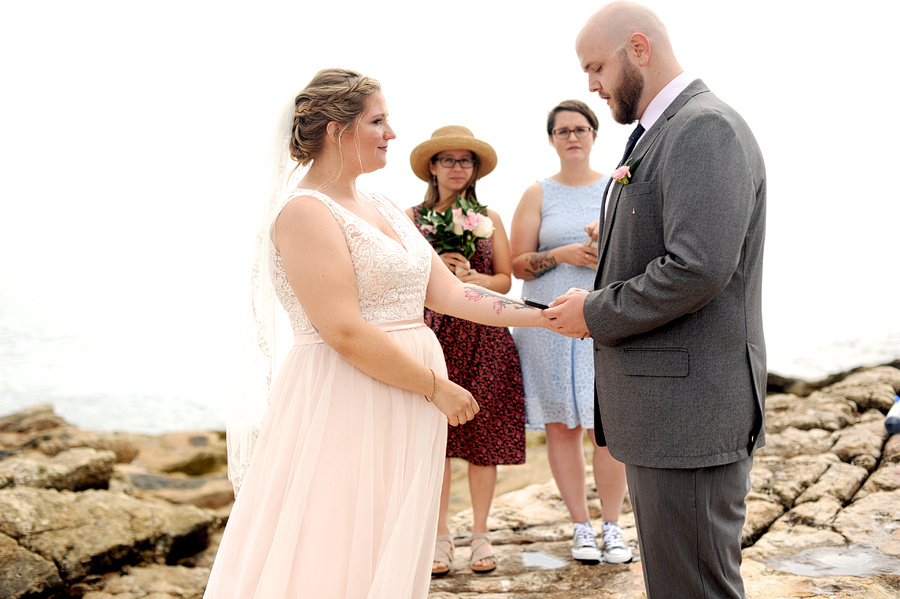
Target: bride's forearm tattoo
[[474, 294], [539, 263]]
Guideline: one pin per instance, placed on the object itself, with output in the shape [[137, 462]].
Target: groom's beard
[[628, 94]]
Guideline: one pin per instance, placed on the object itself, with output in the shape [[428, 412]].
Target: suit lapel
[[644, 143], [647, 140]]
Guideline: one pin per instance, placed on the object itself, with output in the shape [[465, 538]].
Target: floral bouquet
[[457, 229]]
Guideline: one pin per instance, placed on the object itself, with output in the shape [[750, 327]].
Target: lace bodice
[[391, 278]]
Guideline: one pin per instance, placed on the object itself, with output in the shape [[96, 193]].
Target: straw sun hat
[[451, 137]]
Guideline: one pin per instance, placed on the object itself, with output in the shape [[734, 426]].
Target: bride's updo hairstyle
[[333, 95]]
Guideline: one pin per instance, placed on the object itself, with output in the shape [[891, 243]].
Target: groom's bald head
[[625, 50], [618, 21]]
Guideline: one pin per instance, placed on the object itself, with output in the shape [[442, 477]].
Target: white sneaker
[[615, 551], [584, 543]]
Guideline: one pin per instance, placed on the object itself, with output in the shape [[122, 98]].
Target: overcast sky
[[132, 137]]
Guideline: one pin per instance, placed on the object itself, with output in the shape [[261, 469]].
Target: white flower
[[485, 228], [458, 218]]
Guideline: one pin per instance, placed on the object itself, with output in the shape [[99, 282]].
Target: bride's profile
[[339, 496]]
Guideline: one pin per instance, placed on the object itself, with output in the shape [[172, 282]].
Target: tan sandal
[[443, 556], [479, 540]]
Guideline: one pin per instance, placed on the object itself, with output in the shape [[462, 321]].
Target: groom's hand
[[566, 314]]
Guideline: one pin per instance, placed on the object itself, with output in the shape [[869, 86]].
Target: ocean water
[[104, 373], [174, 376]]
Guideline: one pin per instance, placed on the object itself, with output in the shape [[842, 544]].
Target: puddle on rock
[[539, 559], [855, 560]]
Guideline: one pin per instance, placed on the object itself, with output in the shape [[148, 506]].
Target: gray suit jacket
[[680, 357]]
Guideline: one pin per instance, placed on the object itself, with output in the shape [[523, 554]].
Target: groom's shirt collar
[[662, 100]]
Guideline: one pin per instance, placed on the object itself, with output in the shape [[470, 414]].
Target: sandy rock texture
[[124, 516]]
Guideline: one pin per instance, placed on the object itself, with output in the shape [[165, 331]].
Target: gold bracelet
[[434, 391]]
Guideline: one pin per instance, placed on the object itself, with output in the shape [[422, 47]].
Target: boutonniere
[[625, 172]]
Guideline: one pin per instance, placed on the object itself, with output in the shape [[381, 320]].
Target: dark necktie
[[632, 141]]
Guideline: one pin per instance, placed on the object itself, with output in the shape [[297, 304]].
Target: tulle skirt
[[341, 496]]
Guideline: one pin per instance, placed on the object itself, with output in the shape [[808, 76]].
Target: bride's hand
[[455, 402]]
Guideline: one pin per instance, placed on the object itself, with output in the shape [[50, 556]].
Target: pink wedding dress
[[340, 500]]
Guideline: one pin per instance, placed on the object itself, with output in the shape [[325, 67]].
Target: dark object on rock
[[892, 421]]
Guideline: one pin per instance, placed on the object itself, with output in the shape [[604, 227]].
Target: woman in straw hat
[[339, 498], [548, 253], [479, 358]]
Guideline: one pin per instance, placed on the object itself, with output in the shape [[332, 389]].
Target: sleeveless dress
[[558, 371], [484, 361], [340, 499]]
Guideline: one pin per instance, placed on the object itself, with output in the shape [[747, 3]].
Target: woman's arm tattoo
[[474, 294], [540, 263]]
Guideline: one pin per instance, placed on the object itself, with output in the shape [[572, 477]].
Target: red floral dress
[[484, 361]]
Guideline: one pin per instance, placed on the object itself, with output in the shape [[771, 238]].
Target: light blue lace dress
[[558, 372]]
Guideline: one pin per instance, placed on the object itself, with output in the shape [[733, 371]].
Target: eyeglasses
[[565, 133], [448, 162]]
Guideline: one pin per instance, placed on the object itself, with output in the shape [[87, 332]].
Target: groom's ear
[[639, 47]]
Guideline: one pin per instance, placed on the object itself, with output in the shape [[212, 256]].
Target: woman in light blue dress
[[548, 231]]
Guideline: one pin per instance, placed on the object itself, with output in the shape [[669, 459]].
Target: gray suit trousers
[[689, 525]]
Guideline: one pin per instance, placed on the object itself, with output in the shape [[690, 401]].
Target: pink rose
[[621, 174], [471, 221], [457, 213]]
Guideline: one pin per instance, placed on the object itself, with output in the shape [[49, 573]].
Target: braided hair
[[333, 95]]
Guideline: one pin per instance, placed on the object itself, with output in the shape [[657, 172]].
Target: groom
[[676, 312]]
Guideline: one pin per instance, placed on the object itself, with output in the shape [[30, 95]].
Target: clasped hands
[[565, 316], [566, 313]]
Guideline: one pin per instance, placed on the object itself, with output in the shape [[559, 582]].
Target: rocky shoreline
[[128, 516]]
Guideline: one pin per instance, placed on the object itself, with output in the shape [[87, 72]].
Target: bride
[[340, 497]]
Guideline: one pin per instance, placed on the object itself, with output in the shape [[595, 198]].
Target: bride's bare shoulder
[[306, 216], [303, 205]]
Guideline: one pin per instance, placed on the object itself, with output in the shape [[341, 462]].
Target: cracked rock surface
[[125, 516]]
